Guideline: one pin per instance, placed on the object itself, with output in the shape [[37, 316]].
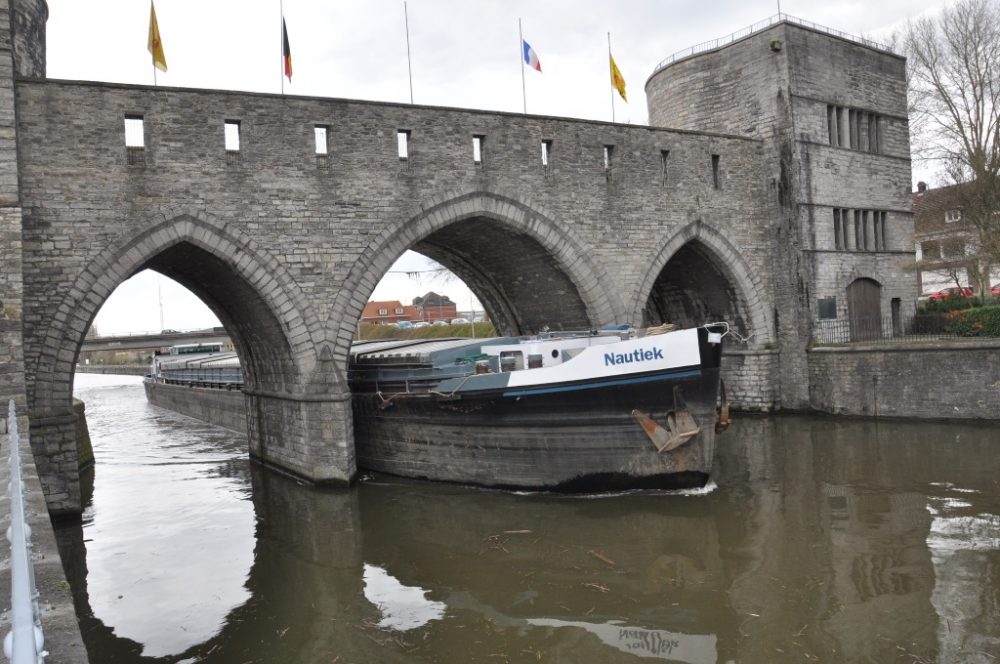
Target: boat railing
[[209, 376], [415, 379], [25, 642]]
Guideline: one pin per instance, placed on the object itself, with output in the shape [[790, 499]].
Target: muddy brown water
[[819, 540]]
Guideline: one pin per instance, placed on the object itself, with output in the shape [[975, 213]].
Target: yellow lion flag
[[155, 45], [617, 80]]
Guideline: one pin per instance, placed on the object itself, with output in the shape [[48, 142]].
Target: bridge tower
[[22, 53], [830, 112]]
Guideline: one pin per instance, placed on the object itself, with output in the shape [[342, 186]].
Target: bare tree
[[954, 76]]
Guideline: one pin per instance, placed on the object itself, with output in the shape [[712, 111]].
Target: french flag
[[530, 57]]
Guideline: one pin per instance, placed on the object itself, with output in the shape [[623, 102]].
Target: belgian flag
[[286, 51]]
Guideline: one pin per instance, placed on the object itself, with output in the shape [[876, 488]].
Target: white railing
[[24, 644], [757, 27]]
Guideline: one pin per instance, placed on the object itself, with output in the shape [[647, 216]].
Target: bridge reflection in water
[[826, 540]]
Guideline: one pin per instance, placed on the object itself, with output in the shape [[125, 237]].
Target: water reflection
[[965, 546], [826, 540], [696, 649], [168, 533], [402, 607]]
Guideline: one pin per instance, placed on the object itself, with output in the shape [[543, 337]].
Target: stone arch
[[448, 222], [730, 264], [275, 346]]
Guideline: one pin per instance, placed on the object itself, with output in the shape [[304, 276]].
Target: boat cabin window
[[511, 360]]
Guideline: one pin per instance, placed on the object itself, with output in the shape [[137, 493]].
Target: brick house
[[431, 307], [387, 312]]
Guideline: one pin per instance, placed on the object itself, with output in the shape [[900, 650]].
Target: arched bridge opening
[[529, 271], [297, 407], [695, 287], [519, 282], [257, 334]]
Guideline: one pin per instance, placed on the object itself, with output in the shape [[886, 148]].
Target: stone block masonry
[[750, 378], [943, 380]]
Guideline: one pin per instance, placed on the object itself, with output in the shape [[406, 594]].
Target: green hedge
[[978, 322], [955, 304], [483, 330], [946, 305]]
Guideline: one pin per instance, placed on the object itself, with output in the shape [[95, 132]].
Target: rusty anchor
[[681, 426], [724, 418]]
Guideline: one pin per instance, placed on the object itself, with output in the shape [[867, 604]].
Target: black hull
[[573, 441]]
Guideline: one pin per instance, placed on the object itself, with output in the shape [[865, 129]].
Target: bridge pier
[[54, 445], [308, 436]]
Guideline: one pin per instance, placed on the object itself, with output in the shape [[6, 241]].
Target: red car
[[995, 290], [954, 291]]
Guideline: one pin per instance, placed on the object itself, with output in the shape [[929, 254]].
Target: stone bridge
[[285, 233]]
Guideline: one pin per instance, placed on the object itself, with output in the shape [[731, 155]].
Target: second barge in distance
[[570, 412]]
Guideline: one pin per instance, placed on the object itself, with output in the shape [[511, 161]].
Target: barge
[[571, 412]]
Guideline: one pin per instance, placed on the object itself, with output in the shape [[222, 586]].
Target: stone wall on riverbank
[[927, 380], [116, 369]]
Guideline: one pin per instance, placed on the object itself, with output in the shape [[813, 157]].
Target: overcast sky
[[464, 53]]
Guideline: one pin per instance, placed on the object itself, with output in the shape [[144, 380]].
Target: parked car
[[954, 291], [422, 323], [440, 322], [995, 290], [404, 325], [459, 321]]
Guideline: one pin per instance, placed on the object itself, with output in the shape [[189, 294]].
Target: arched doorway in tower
[[693, 288], [864, 309]]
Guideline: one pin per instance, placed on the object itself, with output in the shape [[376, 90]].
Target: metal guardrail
[[24, 644], [757, 27], [885, 330]]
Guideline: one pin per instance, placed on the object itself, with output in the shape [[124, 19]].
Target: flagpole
[[612, 87], [520, 49], [409, 62], [281, 44]]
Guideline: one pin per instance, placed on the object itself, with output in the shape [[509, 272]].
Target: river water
[[819, 540]]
